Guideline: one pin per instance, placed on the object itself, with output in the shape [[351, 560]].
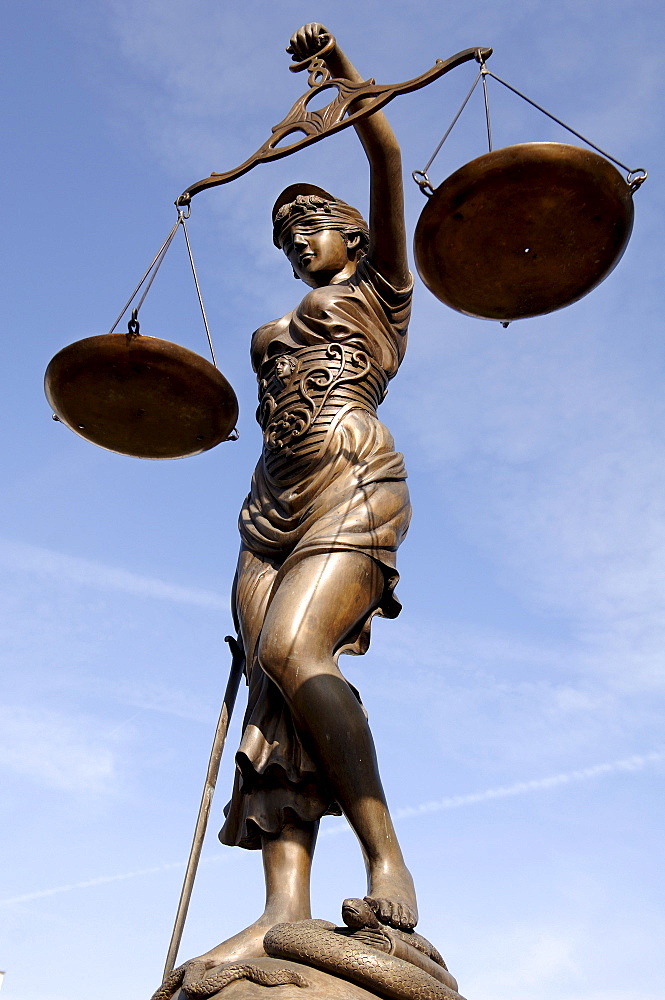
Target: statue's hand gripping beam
[[340, 113]]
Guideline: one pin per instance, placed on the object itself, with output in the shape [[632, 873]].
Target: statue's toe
[[394, 914]]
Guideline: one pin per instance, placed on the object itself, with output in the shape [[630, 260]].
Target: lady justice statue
[[328, 505], [320, 528]]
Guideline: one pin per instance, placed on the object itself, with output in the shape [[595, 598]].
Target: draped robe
[[328, 480]]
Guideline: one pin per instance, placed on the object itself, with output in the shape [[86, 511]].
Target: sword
[[206, 801]]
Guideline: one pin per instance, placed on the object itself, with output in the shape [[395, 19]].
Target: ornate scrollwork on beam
[[352, 102]]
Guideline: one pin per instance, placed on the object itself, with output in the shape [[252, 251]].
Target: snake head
[[358, 913]]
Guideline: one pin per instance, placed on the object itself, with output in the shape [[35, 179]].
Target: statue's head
[[321, 235], [285, 366]]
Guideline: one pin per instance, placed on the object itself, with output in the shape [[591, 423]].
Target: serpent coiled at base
[[317, 943], [324, 946], [208, 986]]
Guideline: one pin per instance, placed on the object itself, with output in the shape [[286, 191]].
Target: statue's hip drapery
[[350, 495]]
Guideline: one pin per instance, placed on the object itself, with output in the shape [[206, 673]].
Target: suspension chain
[[133, 328], [634, 178]]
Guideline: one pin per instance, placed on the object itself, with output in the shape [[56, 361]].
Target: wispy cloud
[[86, 572], [57, 750]]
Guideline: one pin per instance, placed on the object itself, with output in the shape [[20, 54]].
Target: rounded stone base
[[320, 986]]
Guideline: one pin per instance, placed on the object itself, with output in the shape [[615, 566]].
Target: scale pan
[[141, 396], [523, 230]]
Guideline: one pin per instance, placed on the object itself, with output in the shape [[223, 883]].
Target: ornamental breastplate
[[301, 396]]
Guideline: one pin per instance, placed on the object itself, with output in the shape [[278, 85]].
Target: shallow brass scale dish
[[523, 230], [141, 396]]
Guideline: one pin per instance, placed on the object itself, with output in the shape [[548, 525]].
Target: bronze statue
[[328, 505], [319, 530]]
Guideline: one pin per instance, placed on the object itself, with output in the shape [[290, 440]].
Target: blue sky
[[517, 702]]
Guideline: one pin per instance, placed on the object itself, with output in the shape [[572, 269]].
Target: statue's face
[[318, 257], [282, 368]]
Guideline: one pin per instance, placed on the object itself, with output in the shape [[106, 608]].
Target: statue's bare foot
[[245, 945], [392, 898]]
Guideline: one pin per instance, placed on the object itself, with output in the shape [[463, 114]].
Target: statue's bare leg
[[317, 605], [287, 862]]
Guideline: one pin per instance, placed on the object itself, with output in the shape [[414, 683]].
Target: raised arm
[[386, 213]]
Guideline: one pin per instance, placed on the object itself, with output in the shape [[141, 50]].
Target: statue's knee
[[285, 662], [273, 659]]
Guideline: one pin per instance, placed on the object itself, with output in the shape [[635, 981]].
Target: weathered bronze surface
[[270, 978], [388, 962], [320, 528], [267, 978], [523, 230], [141, 396], [518, 232]]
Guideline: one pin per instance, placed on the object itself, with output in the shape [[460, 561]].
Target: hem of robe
[[267, 797]]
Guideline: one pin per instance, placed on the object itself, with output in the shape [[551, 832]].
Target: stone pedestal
[[315, 960], [320, 986]]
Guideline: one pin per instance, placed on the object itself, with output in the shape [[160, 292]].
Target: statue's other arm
[[386, 216]]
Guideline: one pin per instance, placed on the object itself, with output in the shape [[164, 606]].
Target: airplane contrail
[[102, 879], [624, 765], [634, 763]]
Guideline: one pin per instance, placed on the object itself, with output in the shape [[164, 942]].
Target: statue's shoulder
[[266, 335]]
